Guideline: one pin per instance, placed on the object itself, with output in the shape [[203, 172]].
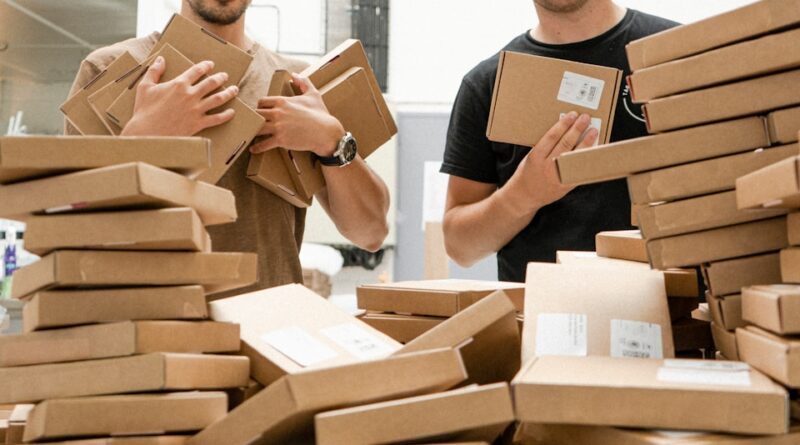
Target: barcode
[[592, 93], [635, 354]]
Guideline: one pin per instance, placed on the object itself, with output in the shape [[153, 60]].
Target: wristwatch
[[345, 153]]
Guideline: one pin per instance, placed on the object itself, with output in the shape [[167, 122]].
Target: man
[[356, 199], [507, 199]]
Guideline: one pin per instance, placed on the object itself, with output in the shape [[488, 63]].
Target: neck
[[592, 20], [233, 33]]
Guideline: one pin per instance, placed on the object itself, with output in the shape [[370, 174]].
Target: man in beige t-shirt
[[355, 198]]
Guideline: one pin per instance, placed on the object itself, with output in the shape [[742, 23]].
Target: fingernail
[[159, 60], [585, 118], [210, 64], [235, 89], [224, 76], [572, 115]]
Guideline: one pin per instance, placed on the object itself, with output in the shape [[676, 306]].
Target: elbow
[[456, 250], [370, 238]]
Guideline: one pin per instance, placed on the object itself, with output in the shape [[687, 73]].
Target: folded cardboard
[[100, 100], [623, 158], [286, 409], [664, 394], [702, 178], [702, 313], [622, 245], [774, 185], [775, 356], [726, 311], [730, 276], [595, 310], [139, 373], [96, 268], [443, 298], [725, 342], [790, 265], [690, 335], [287, 329], [53, 309], [472, 413], [793, 228], [124, 415], [718, 244], [402, 328], [532, 92], [132, 185], [775, 307], [783, 125], [16, 423], [29, 157], [144, 440]]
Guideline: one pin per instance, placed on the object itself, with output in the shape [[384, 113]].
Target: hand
[[300, 123], [179, 107]]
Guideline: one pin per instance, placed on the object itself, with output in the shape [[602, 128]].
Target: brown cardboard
[[53, 309], [651, 394], [718, 244], [529, 95], [793, 228], [775, 307], [774, 185], [132, 185], [790, 265], [778, 357], [702, 313], [725, 342], [145, 440], [139, 373], [690, 335], [729, 277], [100, 100], [490, 337], [402, 328], [186, 337], [237, 396], [472, 413], [726, 312], [443, 298], [16, 424], [600, 302], [622, 245], [287, 329], [702, 178], [125, 415], [729, 27], [286, 409], [96, 268], [783, 125], [619, 159]]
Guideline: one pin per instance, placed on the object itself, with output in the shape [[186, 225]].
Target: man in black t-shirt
[[507, 199]]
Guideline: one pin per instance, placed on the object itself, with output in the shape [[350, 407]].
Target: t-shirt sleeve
[[86, 73], [468, 153]]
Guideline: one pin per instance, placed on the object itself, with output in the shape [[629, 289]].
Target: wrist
[[334, 132]]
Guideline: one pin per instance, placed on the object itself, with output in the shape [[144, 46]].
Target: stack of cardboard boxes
[[317, 281]]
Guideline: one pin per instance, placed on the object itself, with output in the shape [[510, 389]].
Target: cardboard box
[[287, 329], [718, 244], [139, 373], [775, 307], [729, 277], [702, 313], [145, 440], [623, 158], [472, 413], [622, 245], [125, 415], [595, 310], [783, 125], [664, 394], [691, 335], [165, 229], [531, 93], [100, 100], [286, 409], [53, 309], [237, 396], [402, 328], [774, 185], [487, 334], [443, 298], [743, 23], [96, 268], [702, 178], [777, 357], [726, 311], [790, 265], [725, 342]]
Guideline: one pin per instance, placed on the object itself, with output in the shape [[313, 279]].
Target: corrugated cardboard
[[778, 357], [288, 329], [622, 245], [775, 185], [726, 312], [718, 244], [490, 337], [100, 100], [472, 413], [531, 93], [443, 298], [186, 336], [729, 277], [729, 27], [402, 328], [54, 309], [783, 125], [595, 310], [690, 335], [125, 415], [16, 424], [651, 394], [97, 268], [145, 440], [140, 373], [623, 158], [725, 342], [702, 178], [790, 265], [286, 409], [775, 307]]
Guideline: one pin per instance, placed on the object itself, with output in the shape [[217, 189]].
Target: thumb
[[302, 84], [155, 71]]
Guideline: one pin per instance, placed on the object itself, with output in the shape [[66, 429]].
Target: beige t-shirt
[[267, 225]]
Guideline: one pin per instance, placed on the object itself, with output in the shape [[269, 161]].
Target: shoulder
[[644, 24], [139, 48]]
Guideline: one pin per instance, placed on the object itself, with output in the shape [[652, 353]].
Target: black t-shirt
[[572, 222]]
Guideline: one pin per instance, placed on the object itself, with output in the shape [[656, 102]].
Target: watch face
[[350, 150]]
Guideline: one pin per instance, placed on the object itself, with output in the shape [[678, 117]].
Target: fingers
[[219, 99], [211, 83], [213, 120], [271, 102], [196, 72], [154, 72], [267, 129], [546, 144], [269, 143], [302, 83], [589, 140], [572, 137]]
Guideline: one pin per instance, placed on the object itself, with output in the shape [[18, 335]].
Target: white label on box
[[636, 339], [705, 372], [358, 341], [584, 91], [561, 334], [300, 346]]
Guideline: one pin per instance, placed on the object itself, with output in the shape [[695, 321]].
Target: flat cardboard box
[[490, 337], [595, 310], [144, 440], [725, 342], [531, 93], [237, 396], [718, 244], [733, 26], [623, 158], [139, 373], [775, 307], [726, 312], [54, 309], [124, 186], [664, 394], [729, 277], [68, 269], [783, 125], [790, 265], [402, 328], [125, 415], [101, 99], [442, 298], [622, 245], [472, 413], [16, 424], [288, 329], [702, 178], [691, 335], [774, 185], [286, 409], [177, 229], [775, 356]]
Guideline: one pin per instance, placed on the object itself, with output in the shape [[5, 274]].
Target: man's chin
[[219, 12]]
